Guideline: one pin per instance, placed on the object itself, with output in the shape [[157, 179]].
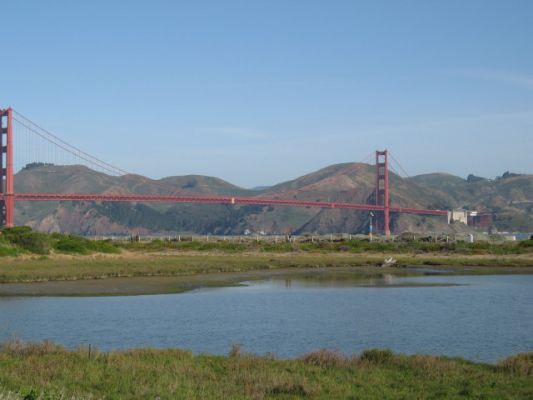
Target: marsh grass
[[521, 364], [33, 394], [76, 267], [325, 358], [73, 257], [23, 239], [339, 245], [50, 269], [53, 372]]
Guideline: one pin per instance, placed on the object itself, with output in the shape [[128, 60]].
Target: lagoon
[[481, 318]]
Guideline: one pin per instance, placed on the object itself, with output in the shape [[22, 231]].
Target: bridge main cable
[[60, 143]]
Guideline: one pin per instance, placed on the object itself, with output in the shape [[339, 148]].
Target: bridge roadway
[[215, 200]]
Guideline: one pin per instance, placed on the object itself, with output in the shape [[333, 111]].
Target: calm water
[[485, 318]]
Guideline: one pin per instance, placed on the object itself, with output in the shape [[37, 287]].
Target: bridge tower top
[[7, 204], [382, 187]]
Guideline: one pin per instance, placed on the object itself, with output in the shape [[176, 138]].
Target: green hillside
[[509, 197]]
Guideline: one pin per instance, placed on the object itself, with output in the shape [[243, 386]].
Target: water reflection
[[348, 281], [481, 318]]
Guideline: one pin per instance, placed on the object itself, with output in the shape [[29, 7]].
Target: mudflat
[[168, 272]]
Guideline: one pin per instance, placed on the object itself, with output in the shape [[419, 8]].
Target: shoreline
[[171, 272], [154, 285]]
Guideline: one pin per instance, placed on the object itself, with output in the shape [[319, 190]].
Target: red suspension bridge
[[8, 196]]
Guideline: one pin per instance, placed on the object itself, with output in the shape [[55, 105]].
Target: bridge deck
[[216, 200]]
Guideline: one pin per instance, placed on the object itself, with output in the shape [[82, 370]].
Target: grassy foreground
[[48, 371]]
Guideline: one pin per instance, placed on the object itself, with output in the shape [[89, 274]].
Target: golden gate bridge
[[11, 142]]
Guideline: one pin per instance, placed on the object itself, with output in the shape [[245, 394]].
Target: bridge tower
[[382, 187], [7, 204]]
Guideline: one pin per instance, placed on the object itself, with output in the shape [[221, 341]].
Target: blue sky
[[258, 92]]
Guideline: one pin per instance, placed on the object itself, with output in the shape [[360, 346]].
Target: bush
[[235, 350], [526, 244], [325, 359], [24, 237], [103, 246], [7, 249], [377, 356], [81, 245], [278, 247], [71, 244]]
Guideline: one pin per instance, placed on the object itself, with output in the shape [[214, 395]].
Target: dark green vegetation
[[55, 257], [50, 370], [22, 239], [339, 245], [510, 197]]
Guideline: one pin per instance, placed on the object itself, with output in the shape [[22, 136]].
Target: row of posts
[[285, 238]]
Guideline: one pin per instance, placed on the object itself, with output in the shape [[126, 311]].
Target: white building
[[458, 215]]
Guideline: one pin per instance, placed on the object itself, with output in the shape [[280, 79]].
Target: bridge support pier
[[7, 204], [382, 188]]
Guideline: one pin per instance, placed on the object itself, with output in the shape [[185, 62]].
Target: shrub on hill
[[526, 244], [69, 243], [80, 245], [7, 249], [25, 238], [12, 240], [377, 356]]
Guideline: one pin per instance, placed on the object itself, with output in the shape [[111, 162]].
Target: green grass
[[23, 240], [53, 372], [334, 246], [79, 245], [53, 268], [40, 257]]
